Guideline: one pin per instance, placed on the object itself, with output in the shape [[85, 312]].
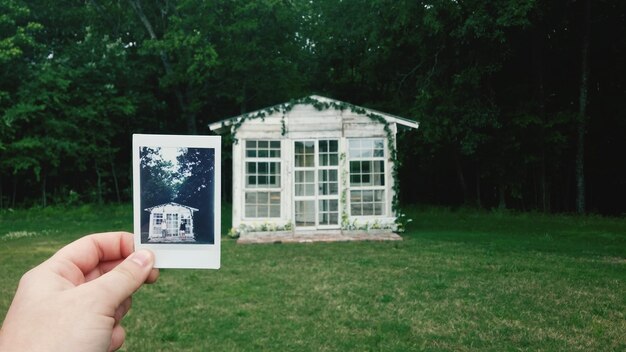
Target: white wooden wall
[[305, 122]]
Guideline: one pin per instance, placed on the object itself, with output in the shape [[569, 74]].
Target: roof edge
[[220, 126]]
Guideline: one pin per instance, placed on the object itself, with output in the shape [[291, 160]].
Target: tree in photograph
[[196, 166], [156, 178]]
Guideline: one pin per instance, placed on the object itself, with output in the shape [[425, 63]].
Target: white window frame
[[372, 188], [269, 189], [317, 197]]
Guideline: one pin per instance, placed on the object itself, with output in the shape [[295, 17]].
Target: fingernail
[[142, 257]]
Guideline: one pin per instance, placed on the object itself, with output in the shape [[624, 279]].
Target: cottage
[[171, 222], [313, 165]]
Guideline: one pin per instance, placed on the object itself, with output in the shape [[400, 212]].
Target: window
[[262, 179], [367, 202], [262, 204], [262, 174], [367, 176], [158, 218]]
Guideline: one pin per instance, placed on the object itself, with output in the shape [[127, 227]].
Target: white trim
[[225, 125]]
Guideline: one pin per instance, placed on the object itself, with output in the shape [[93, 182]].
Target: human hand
[[75, 300]]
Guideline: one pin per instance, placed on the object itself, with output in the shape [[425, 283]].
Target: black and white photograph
[[176, 187]]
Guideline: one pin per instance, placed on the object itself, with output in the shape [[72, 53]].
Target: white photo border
[[180, 256]]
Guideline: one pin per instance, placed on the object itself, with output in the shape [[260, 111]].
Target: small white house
[[314, 164], [171, 222]]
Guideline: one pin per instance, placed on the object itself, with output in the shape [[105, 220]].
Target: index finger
[[87, 252]]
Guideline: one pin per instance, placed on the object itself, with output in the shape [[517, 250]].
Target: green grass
[[460, 281]]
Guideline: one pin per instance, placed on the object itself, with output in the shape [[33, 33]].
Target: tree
[[197, 168]]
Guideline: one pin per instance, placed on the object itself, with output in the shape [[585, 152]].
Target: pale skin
[[75, 301]]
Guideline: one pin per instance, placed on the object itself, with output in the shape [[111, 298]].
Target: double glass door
[[316, 183]]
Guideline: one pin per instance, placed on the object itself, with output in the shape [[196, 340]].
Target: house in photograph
[[171, 222], [315, 165]]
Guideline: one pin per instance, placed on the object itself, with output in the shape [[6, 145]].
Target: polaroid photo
[[177, 200]]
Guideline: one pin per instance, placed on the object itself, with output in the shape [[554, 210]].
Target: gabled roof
[[171, 203], [223, 125]]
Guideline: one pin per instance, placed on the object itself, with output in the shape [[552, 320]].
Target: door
[[316, 184]]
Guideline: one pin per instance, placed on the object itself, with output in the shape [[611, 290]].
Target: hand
[[75, 300]]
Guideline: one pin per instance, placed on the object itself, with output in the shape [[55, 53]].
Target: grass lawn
[[460, 281]]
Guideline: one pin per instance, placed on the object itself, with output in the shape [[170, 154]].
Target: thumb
[[126, 278]]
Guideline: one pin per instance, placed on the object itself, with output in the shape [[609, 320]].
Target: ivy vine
[[284, 108]]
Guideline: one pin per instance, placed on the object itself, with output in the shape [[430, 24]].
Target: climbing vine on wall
[[284, 108]]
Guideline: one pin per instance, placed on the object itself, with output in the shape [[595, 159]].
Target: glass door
[[316, 184]]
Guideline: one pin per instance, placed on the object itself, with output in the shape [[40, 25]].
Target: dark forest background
[[522, 103]]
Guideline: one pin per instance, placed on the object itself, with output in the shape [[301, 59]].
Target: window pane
[[323, 159], [323, 175], [355, 167], [250, 144], [299, 148], [251, 168], [366, 167], [262, 204], [334, 160], [275, 198], [263, 153], [275, 144], [368, 209], [263, 144], [323, 146], [263, 211], [275, 211], [332, 175], [250, 211], [333, 146], [309, 147], [355, 209], [305, 213], [251, 197]]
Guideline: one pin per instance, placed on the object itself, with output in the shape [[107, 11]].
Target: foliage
[[495, 87]]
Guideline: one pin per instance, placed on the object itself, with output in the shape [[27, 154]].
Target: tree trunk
[[582, 113], [181, 98], [98, 184], [14, 191], [501, 197], [543, 184], [478, 198], [43, 188], [460, 176], [537, 60], [115, 182]]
